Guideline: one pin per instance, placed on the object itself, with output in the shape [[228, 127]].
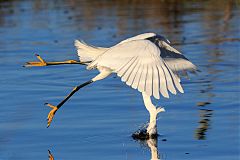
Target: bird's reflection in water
[[204, 124], [50, 156], [152, 144]]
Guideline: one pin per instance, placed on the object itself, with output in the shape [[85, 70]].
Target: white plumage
[[88, 52], [145, 62]]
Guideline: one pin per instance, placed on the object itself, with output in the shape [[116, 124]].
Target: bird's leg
[[55, 108], [153, 111], [42, 62], [103, 74]]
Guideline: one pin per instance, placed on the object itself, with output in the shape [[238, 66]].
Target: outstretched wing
[[177, 62], [140, 66]]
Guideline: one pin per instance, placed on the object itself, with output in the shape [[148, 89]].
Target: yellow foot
[[50, 155], [40, 63], [51, 113]]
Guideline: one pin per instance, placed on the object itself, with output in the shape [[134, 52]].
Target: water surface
[[98, 122]]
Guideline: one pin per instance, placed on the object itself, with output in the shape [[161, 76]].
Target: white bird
[[146, 62]]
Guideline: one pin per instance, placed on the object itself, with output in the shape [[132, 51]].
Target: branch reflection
[[215, 38], [204, 124]]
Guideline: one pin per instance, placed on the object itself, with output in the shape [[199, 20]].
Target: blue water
[[97, 123]]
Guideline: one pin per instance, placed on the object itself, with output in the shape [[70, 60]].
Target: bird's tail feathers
[[87, 52]]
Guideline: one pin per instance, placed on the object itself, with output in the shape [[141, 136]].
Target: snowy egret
[[146, 62]]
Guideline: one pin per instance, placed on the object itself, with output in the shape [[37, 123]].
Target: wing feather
[[155, 82], [129, 70], [169, 80], [137, 77], [149, 80], [125, 67], [142, 81], [133, 73], [175, 60], [163, 85], [140, 65], [176, 80]]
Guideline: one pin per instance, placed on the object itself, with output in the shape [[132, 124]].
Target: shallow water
[[98, 122]]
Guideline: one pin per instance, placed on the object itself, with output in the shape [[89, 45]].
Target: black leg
[[55, 108]]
